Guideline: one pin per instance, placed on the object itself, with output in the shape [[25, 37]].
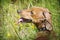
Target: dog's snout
[[19, 11]]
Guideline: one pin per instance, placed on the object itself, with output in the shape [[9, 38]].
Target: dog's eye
[[31, 12], [49, 12]]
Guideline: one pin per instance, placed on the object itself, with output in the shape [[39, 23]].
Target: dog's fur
[[41, 17]]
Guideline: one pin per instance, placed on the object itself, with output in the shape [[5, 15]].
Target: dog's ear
[[48, 18]]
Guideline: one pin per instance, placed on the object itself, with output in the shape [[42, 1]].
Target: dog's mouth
[[25, 20]]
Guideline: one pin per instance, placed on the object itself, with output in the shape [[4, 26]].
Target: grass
[[9, 30]]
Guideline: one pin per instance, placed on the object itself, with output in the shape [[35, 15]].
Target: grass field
[[9, 30]]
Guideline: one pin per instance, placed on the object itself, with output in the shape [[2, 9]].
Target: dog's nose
[[19, 11]]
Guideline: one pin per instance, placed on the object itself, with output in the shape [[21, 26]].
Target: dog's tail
[[42, 38], [44, 35]]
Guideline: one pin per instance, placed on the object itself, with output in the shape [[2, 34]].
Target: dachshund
[[41, 17]]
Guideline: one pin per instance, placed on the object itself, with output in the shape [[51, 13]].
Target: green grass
[[9, 30]]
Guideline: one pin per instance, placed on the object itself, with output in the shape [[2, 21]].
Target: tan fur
[[38, 17]]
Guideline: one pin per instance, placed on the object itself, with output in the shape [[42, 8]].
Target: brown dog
[[41, 17]]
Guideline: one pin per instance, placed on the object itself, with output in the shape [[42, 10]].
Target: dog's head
[[35, 15]]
